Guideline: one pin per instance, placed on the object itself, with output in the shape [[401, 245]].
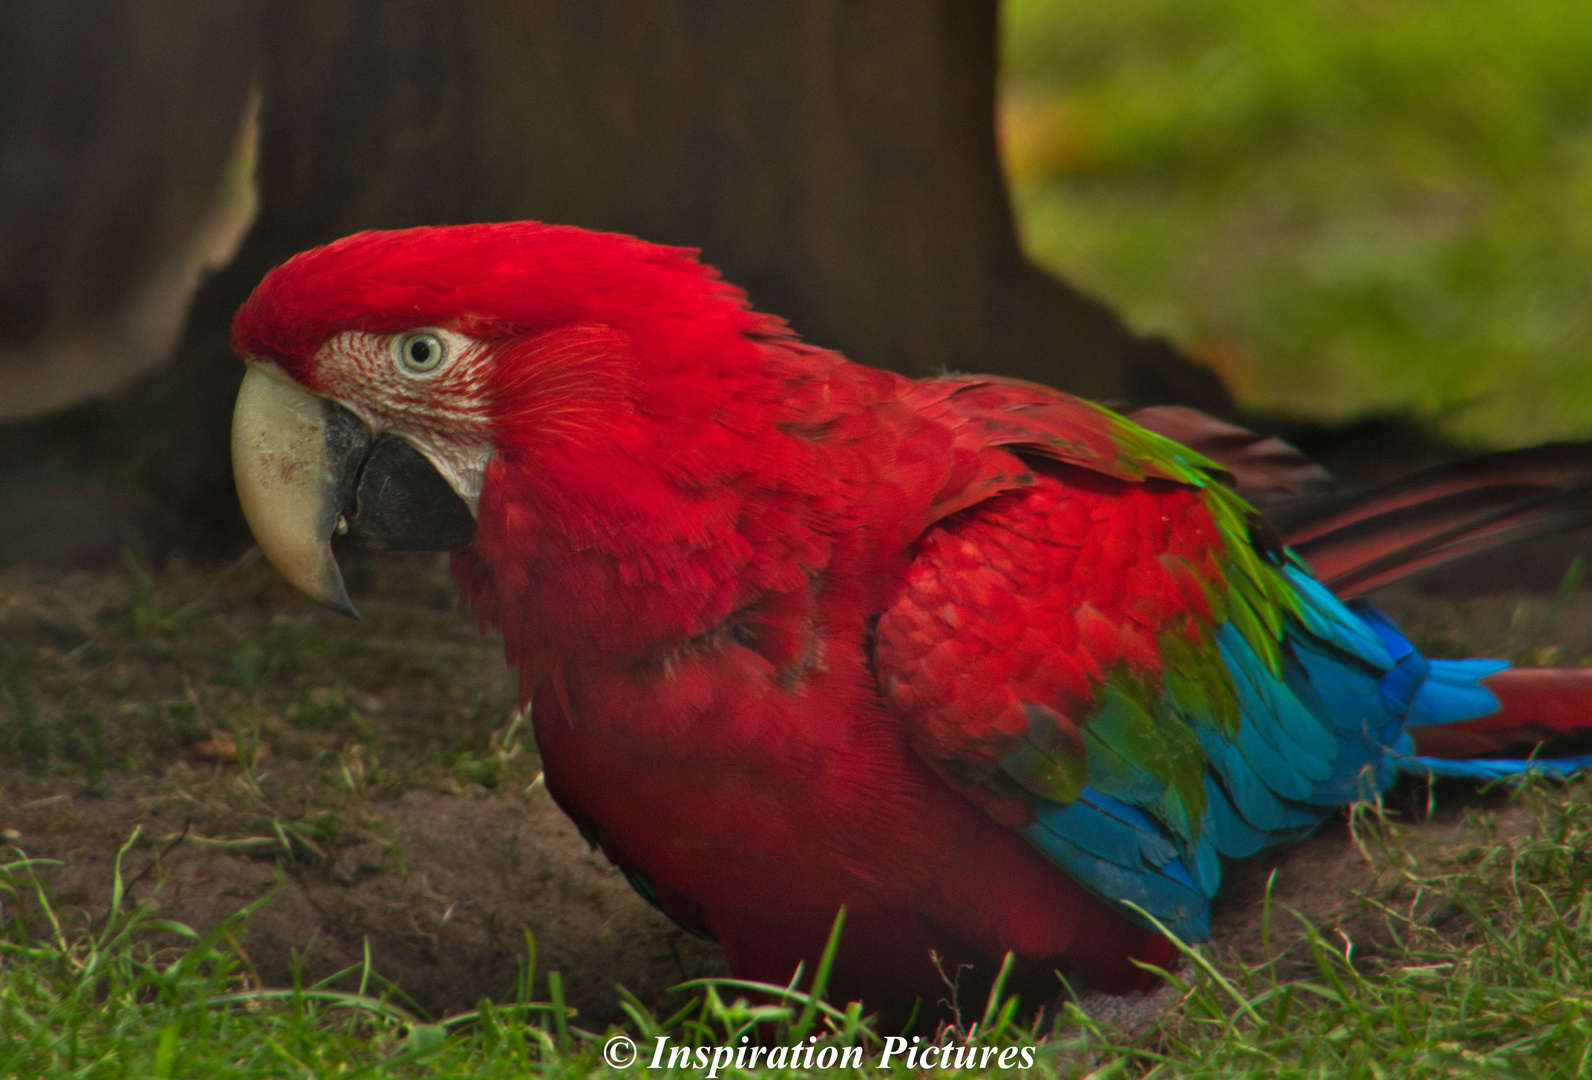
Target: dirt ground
[[374, 779]]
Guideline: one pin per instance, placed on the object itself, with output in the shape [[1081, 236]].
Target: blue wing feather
[[1299, 735], [1110, 846], [1325, 730], [1230, 835]]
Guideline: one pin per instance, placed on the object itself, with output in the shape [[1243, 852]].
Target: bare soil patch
[[371, 777]]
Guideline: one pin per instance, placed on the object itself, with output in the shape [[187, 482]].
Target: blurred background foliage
[[1343, 206]]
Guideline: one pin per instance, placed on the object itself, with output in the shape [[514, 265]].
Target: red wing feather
[[984, 412]]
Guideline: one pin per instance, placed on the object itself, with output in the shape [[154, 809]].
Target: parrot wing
[[1265, 469], [1117, 659]]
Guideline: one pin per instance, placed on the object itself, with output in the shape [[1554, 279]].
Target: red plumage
[[778, 614]]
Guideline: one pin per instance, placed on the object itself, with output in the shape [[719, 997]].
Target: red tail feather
[[1359, 541], [1540, 705]]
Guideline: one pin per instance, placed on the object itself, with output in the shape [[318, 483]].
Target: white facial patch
[[442, 412]]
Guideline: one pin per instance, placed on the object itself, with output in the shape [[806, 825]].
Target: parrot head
[[386, 370]]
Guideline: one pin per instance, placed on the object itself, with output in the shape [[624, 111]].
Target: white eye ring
[[421, 352]]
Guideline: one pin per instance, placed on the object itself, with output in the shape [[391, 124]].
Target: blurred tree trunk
[[124, 160], [835, 157]]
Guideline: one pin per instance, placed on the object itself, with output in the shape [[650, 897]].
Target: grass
[[1343, 207], [107, 1000], [1472, 963], [1481, 972]]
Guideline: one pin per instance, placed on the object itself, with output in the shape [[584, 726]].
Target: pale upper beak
[[308, 470]]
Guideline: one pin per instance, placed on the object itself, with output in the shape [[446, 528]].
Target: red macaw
[[973, 658]]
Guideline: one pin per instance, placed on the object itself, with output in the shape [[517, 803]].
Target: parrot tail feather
[[1359, 541], [1536, 707]]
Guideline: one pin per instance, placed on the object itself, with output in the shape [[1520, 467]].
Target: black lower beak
[[400, 502]]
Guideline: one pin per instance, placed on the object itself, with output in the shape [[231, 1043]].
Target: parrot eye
[[420, 353]]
